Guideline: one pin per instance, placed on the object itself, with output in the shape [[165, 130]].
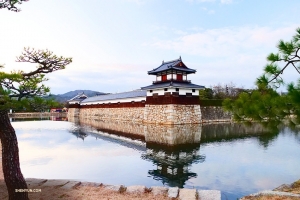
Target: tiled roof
[[171, 65], [78, 97], [122, 95], [174, 85]]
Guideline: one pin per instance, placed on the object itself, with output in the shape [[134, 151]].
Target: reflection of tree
[[264, 132], [173, 162]]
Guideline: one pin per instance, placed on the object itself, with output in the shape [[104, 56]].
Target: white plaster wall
[[136, 99], [182, 91]]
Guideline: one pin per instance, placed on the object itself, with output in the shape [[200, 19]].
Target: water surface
[[233, 158]]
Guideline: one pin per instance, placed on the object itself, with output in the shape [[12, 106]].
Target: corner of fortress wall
[[73, 112], [155, 114], [172, 114]]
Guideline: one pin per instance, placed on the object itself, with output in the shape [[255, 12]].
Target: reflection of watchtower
[[173, 162]]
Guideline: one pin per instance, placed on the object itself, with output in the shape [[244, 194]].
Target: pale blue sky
[[115, 42]]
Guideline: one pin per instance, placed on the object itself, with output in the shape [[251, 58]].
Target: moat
[[236, 159]]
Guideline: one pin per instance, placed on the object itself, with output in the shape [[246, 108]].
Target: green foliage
[[287, 56], [11, 4], [264, 103], [36, 104], [207, 93], [211, 102], [17, 85], [259, 105]]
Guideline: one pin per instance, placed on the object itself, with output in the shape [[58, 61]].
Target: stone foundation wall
[[122, 114], [156, 114], [73, 112], [172, 114], [214, 114]]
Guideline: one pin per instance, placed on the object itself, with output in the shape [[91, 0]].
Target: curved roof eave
[[174, 85], [123, 95]]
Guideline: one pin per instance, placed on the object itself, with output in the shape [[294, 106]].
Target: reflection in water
[[238, 131], [173, 162], [234, 158], [173, 148], [42, 118], [79, 132]]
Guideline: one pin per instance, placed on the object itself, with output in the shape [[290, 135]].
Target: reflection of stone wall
[[214, 114], [116, 127], [153, 133], [73, 119], [122, 114], [172, 114], [173, 134]]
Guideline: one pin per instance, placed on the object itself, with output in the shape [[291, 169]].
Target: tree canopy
[[11, 4], [265, 103], [19, 84], [287, 56], [20, 88]]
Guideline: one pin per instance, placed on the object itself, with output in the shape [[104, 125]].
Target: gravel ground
[[283, 192]]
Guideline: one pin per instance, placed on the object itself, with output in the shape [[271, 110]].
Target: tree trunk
[[10, 159]]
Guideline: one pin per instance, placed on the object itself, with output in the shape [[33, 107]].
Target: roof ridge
[[179, 59], [163, 63]]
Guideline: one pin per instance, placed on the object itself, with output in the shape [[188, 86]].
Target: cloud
[[229, 54], [226, 41], [208, 10]]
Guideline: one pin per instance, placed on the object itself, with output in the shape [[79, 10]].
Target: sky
[[114, 43]]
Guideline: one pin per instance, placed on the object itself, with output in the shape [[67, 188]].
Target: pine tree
[[14, 87]]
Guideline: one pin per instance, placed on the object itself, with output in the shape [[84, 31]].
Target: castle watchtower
[[172, 71], [172, 97]]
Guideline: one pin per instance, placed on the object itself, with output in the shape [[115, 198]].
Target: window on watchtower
[[158, 78], [169, 76], [164, 77]]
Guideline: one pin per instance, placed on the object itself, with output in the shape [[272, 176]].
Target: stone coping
[[169, 192]]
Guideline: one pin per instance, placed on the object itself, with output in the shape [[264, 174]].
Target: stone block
[[34, 182], [173, 192], [71, 185], [90, 184], [137, 189], [209, 194], [187, 194], [117, 188], [54, 183], [156, 190]]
